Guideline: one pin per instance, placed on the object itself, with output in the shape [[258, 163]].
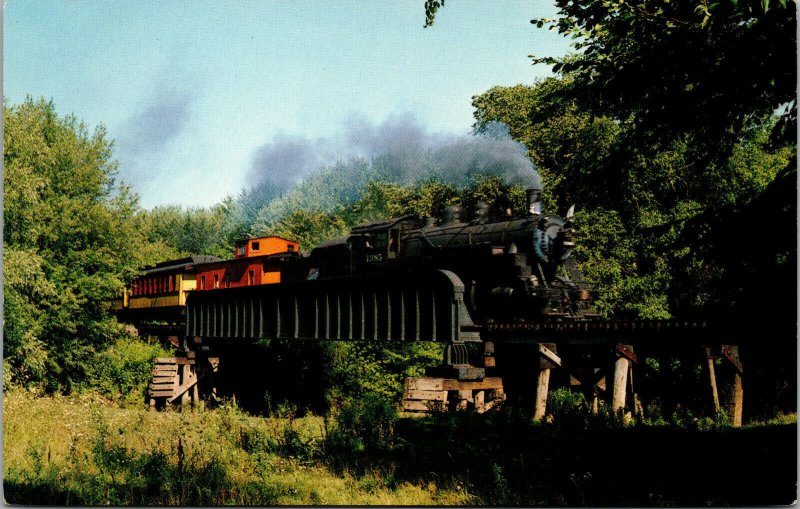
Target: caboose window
[[202, 282], [290, 248], [256, 246], [227, 281], [216, 280], [251, 278]]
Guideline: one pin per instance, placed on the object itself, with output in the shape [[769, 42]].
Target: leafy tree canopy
[[70, 242], [707, 69]]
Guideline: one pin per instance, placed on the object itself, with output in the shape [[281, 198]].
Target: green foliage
[[308, 228], [70, 243], [696, 68], [78, 450], [212, 231], [122, 370], [294, 446], [25, 285], [365, 425], [431, 7], [568, 409], [357, 370]]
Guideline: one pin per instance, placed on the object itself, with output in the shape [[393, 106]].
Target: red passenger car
[[256, 262]]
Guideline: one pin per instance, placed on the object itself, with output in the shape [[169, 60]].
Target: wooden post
[[547, 360], [542, 386], [196, 390], [712, 379], [464, 398], [637, 403], [736, 399], [185, 374], [621, 366], [480, 405]]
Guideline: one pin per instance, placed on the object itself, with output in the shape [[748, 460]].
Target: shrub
[[122, 370], [365, 425], [292, 445], [569, 409]]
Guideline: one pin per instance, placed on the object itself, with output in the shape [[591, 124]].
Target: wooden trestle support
[[602, 372], [176, 379], [456, 385]]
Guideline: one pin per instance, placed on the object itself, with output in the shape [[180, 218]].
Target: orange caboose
[[256, 261]]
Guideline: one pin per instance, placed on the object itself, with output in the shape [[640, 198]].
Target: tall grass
[[84, 450]]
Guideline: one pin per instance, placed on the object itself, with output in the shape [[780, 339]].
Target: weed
[[292, 445], [365, 425]]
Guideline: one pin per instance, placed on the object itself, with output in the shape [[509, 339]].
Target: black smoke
[[399, 150], [161, 118], [282, 163]]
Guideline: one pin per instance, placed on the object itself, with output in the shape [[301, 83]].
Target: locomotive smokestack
[[481, 213], [534, 200], [452, 214]]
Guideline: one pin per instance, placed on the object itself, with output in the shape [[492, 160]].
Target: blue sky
[[190, 91]]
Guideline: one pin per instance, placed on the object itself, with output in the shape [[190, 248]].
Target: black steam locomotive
[[513, 268]]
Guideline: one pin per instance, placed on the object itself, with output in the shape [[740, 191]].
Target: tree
[[633, 199], [705, 70], [69, 240], [307, 227]]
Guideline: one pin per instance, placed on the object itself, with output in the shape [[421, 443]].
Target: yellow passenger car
[[159, 294]]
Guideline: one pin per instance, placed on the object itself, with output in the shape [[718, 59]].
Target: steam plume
[[400, 151]]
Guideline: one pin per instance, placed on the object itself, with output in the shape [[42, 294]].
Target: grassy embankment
[[85, 450]]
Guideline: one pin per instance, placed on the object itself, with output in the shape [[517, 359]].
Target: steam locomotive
[[513, 268]]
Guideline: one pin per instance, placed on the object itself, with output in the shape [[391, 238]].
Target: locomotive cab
[[370, 248], [378, 244]]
